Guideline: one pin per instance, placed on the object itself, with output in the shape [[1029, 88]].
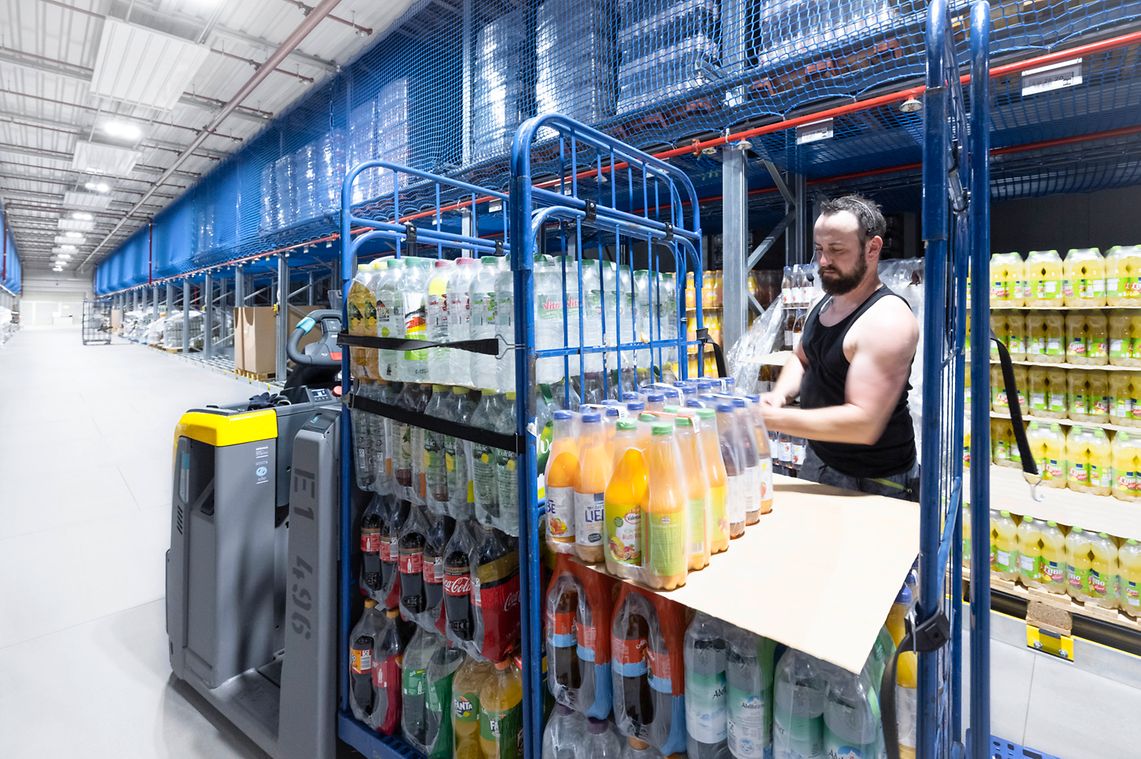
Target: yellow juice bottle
[[1135, 399], [1134, 340], [1101, 579], [1097, 339], [1078, 406], [998, 328], [1021, 380], [1047, 443], [1114, 273], [1053, 576], [1000, 294], [1039, 392], [998, 401], [1077, 562], [1084, 285], [1044, 278], [1016, 336], [1098, 399], [1077, 338], [1035, 336], [1119, 328], [1126, 466], [1123, 275], [1005, 555], [1030, 552], [1129, 578], [1100, 462], [1055, 349], [1077, 456], [1058, 393], [1120, 391], [1000, 442]]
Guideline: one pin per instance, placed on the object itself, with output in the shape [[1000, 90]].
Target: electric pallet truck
[[251, 591]]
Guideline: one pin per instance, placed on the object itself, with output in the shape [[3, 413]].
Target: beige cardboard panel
[[819, 573]]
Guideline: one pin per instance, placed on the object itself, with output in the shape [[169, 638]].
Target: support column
[[208, 316], [169, 297], [185, 316], [310, 293], [239, 288], [154, 302], [734, 243], [282, 319]]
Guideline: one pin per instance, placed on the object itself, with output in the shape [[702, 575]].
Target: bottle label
[[765, 479], [748, 723], [705, 707], [695, 510], [550, 307], [661, 670], [1002, 561], [1054, 346], [386, 549], [1077, 347], [1054, 572], [561, 629], [587, 641], [465, 710], [486, 489], [415, 323], [505, 481], [437, 312], [666, 536], [1076, 577], [625, 541], [1052, 470], [482, 311], [411, 563], [433, 570], [360, 660], [560, 513], [1001, 452], [999, 290], [1037, 401], [628, 656], [799, 450], [1132, 595], [502, 728], [1117, 348], [589, 511], [414, 682], [1030, 565], [1098, 348], [457, 585], [1095, 583], [735, 497], [370, 541]]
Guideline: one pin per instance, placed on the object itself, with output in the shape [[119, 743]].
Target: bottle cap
[[1052, 523], [612, 412], [438, 388], [637, 744], [1027, 520], [670, 409], [693, 403], [510, 395], [392, 613], [591, 417], [724, 408], [647, 418], [597, 726], [562, 416], [459, 389], [655, 398], [625, 425], [1103, 535], [369, 603], [1076, 529], [630, 396], [662, 428], [753, 398], [489, 261], [442, 262], [683, 422], [465, 260], [502, 665], [635, 406], [488, 391], [1130, 542], [705, 413], [738, 402], [1005, 513]]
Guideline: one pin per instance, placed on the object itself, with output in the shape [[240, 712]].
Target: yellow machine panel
[[220, 428]]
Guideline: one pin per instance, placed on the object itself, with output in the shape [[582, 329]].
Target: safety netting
[[445, 93], [11, 273]]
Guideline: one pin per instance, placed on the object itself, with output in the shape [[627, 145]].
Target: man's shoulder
[[888, 320]]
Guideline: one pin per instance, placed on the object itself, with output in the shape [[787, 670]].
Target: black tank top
[[823, 386]]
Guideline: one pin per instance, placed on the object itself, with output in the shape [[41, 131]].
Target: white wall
[[51, 299]]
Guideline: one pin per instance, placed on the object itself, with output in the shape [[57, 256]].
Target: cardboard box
[[255, 337], [116, 320]]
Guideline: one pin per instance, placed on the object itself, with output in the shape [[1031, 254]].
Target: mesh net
[[653, 73]]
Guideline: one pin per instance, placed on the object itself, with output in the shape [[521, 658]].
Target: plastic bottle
[[591, 314], [1077, 562], [1077, 338], [363, 639], [370, 580], [1097, 348], [1055, 350], [594, 469], [1085, 274], [410, 561], [501, 712], [389, 316], [564, 668], [1058, 394], [467, 684], [1120, 390], [394, 512], [1129, 578], [706, 707], [1030, 546], [764, 454], [666, 531], [386, 676], [1035, 336], [414, 687], [1119, 329], [495, 595], [561, 477], [505, 327], [1134, 340], [549, 311], [1100, 586], [1126, 466], [1134, 400], [1039, 392], [852, 725], [1053, 576], [747, 444], [438, 360], [636, 749], [697, 493], [414, 288], [1048, 445], [713, 462], [402, 442], [798, 709], [481, 295], [458, 293], [601, 740], [1123, 275], [625, 504], [440, 529], [634, 709], [736, 482], [1078, 408], [461, 495], [506, 471], [486, 489], [1003, 291], [361, 307], [442, 668], [1005, 553], [749, 669], [434, 461], [564, 737], [458, 584], [1044, 278]]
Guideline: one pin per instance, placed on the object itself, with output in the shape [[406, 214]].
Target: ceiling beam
[[56, 155], [86, 176], [61, 183], [81, 131]]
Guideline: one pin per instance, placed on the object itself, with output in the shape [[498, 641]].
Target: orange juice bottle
[[1044, 278], [1058, 392], [1097, 339], [714, 467], [1120, 338], [1055, 350], [1078, 407], [1098, 399], [1016, 336], [666, 533], [594, 469], [626, 495], [1039, 391], [1084, 284], [1035, 336], [697, 492], [1077, 338], [1126, 467], [561, 477]]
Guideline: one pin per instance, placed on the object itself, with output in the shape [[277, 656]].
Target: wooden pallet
[[1062, 603], [255, 376]]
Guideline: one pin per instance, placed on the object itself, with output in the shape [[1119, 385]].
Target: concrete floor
[[84, 524]]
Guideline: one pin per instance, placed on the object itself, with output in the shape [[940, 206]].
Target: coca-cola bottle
[[411, 563], [564, 670], [457, 584], [629, 641], [440, 531], [393, 515], [495, 595], [370, 546]]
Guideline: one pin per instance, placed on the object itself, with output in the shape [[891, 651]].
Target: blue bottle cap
[[591, 417], [562, 416], [655, 398], [724, 408], [635, 406]]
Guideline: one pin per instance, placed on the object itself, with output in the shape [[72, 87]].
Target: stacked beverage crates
[[666, 49], [379, 129], [574, 51], [500, 99]]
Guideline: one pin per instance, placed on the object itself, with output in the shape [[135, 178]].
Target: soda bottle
[[1005, 556], [501, 712], [392, 520], [629, 641], [1129, 577], [716, 476], [410, 561], [625, 504], [601, 740], [666, 661], [564, 737], [852, 725], [364, 637], [438, 361], [458, 294], [458, 584], [386, 665], [1077, 562], [466, 687], [565, 671], [561, 476], [666, 513], [442, 667], [594, 470], [414, 688], [697, 494], [706, 708], [1100, 581], [420, 399], [749, 667], [434, 464], [495, 595], [506, 478], [440, 530], [736, 483], [370, 546], [483, 461], [798, 709], [1030, 546], [1053, 577]]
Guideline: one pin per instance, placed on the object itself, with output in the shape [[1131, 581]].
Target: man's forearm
[[788, 383], [835, 424]]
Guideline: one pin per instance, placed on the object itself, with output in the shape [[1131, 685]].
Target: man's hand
[[772, 399]]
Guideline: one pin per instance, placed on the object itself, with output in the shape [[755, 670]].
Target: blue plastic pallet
[[1004, 749]]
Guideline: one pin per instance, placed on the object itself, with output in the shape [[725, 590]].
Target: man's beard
[[835, 283]]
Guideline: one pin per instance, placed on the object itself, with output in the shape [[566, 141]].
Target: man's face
[[843, 261]]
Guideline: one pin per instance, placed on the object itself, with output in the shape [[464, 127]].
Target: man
[[852, 364]]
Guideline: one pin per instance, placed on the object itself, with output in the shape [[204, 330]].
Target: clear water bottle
[[505, 328], [485, 485], [602, 741], [390, 316], [414, 288], [549, 310], [749, 666], [506, 470], [852, 725], [592, 314], [483, 320], [565, 734], [440, 360], [458, 292], [456, 460], [798, 709], [706, 713]]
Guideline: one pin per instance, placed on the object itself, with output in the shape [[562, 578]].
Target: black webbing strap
[[432, 424], [718, 351], [488, 346], [1029, 465], [930, 635]]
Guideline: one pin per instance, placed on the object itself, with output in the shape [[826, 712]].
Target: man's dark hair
[[866, 211]]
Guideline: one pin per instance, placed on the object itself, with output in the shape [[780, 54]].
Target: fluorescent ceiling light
[[75, 225], [142, 66], [97, 187], [86, 200], [56, 269], [100, 158], [81, 215], [64, 249], [123, 130], [70, 238]]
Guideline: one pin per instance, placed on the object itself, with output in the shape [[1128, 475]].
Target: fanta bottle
[[1035, 336], [1039, 392], [1129, 578], [1048, 445], [715, 475], [1044, 278], [1119, 327], [560, 478], [1077, 562], [1078, 406], [625, 504], [594, 469], [1097, 339], [1055, 351], [1056, 400], [1053, 565], [1084, 284], [1134, 340], [1121, 393], [1016, 336], [1126, 466], [666, 533], [1099, 399], [1030, 552], [1077, 338], [697, 491], [501, 712], [1004, 555], [1123, 273]]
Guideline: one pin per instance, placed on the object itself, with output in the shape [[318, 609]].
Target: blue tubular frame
[[956, 234], [532, 205], [367, 741]]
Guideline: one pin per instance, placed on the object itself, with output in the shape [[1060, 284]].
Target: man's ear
[[875, 245]]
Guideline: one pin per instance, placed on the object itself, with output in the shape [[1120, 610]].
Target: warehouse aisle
[[84, 524]]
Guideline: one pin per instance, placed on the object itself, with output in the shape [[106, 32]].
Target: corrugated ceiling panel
[[142, 66]]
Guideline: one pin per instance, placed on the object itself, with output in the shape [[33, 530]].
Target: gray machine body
[[251, 598]]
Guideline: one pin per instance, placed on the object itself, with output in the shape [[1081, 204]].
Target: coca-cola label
[[370, 541], [385, 549], [411, 563], [457, 585], [628, 656], [434, 571]]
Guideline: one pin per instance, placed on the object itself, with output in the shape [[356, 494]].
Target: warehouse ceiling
[[110, 109]]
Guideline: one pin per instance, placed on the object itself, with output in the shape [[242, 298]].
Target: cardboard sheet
[[819, 573]]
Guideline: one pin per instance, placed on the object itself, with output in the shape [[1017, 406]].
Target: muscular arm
[[879, 349], [787, 385]]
